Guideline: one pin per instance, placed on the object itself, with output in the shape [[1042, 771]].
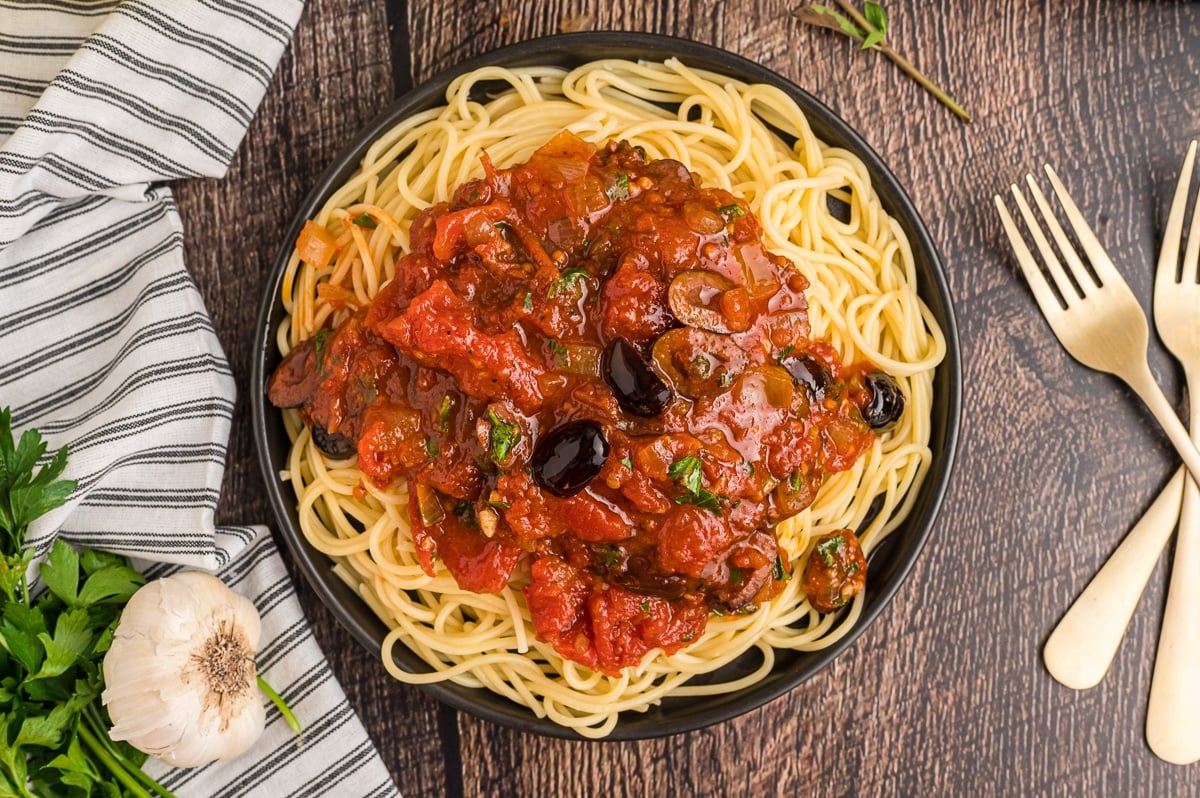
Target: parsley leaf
[[504, 436], [619, 190], [53, 734], [566, 281], [870, 29], [686, 471]]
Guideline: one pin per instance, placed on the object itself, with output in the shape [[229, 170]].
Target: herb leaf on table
[[870, 27]]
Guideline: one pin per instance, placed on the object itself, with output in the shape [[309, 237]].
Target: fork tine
[[1168, 258], [1102, 264], [1191, 261], [1082, 278], [1053, 266], [1042, 292]]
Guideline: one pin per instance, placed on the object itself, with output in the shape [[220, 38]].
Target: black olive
[[886, 404], [567, 458], [638, 389], [809, 372], [339, 447]]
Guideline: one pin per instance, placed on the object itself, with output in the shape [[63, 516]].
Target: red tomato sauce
[[592, 361]]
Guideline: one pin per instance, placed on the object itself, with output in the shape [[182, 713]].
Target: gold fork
[[1173, 716], [1081, 648], [1100, 323]]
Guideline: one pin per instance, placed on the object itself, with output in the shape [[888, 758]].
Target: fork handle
[[1144, 385], [1173, 714], [1082, 646]]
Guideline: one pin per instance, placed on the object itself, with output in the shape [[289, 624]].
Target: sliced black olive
[[809, 372], [336, 446], [567, 458], [638, 389], [887, 402]]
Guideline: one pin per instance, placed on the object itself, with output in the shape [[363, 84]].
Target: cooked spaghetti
[[594, 391]]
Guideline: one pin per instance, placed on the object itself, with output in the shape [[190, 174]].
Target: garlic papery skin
[[180, 681]]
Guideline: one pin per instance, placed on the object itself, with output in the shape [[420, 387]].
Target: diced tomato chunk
[[604, 626]]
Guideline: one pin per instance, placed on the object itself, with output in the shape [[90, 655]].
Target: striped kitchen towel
[[106, 346]]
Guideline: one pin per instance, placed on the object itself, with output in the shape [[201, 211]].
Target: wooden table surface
[[945, 694]]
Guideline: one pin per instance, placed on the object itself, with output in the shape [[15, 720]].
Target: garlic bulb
[[180, 681]]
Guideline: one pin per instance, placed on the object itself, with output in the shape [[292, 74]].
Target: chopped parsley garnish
[[527, 302], [646, 607], [443, 413], [731, 212], [499, 505], [620, 189], [779, 573], [828, 548], [735, 576], [686, 471], [561, 354], [566, 281], [365, 220], [610, 555], [627, 462], [319, 340], [795, 481], [504, 436], [703, 498], [787, 350], [431, 446]]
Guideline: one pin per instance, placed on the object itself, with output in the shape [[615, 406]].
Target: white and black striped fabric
[[106, 346]]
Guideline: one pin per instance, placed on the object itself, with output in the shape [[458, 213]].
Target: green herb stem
[[96, 726], [109, 761], [904, 64], [289, 716]]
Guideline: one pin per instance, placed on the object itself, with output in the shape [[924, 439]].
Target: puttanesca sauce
[[591, 361]]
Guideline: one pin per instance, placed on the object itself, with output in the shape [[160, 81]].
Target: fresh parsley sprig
[[53, 731], [870, 28]]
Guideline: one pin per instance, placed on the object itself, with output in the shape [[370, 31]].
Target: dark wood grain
[[945, 694]]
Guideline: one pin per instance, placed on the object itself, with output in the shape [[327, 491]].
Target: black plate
[[890, 562]]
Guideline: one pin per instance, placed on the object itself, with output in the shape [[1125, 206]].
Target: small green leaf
[[568, 279], [114, 584], [72, 638], [19, 635], [504, 436], [364, 220], [873, 38], [44, 730], [687, 472], [60, 572], [619, 190], [829, 548], [876, 17]]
